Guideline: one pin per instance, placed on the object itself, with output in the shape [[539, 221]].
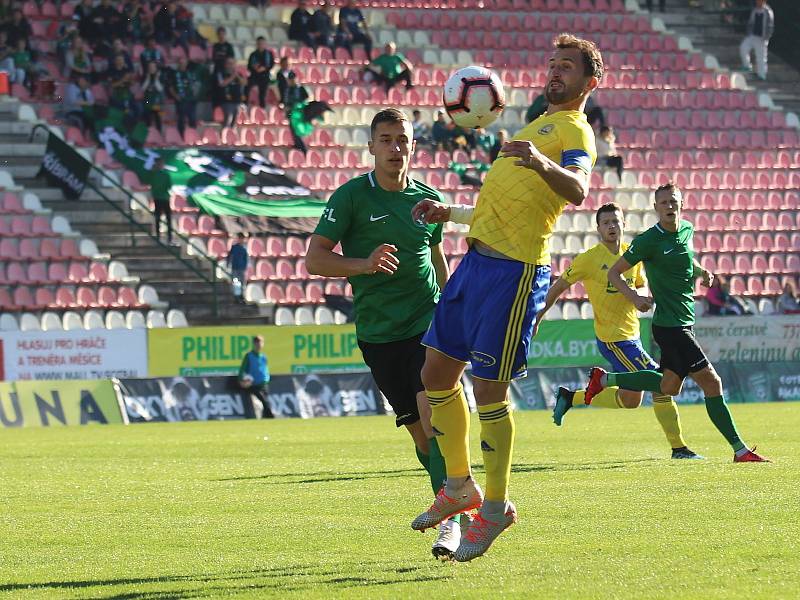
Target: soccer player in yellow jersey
[[616, 326], [485, 314]]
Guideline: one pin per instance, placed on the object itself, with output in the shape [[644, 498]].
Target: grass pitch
[[313, 509]]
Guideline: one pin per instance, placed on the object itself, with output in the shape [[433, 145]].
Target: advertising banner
[[571, 343], [321, 395], [52, 403], [760, 338], [184, 399], [62, 166], [204, 351], [65, 355]]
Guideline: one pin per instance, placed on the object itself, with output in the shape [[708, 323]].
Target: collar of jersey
[[373, 181]]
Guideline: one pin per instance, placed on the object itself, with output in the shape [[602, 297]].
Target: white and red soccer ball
[[474, 97]]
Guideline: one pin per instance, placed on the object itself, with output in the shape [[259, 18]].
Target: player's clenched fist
[[382, 260], [642, 303], [430, 211]]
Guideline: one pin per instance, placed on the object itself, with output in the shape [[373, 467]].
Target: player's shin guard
[[721, 416], [497, 442], [450, 422], [638, 381], [667, 414], [608, 398]]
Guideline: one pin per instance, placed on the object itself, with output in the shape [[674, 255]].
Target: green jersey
[[668, 259], [362, 216], [391, 64]]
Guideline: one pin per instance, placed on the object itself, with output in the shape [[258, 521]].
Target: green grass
[[321, 508]]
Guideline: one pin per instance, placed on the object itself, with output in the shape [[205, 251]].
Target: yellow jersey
[[615, 318], [516, 210]]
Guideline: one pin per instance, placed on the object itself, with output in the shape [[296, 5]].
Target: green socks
[[433, 464], [640, 381], [720, 415]]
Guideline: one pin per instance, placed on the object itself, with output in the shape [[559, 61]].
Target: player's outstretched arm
[[431, 211], [322, 260], [571, 183], [553, 294], [615, 278]]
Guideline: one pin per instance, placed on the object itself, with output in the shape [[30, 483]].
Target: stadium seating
[[674, 117]]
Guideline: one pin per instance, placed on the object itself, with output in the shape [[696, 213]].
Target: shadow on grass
[[289, 578], [328, 476]]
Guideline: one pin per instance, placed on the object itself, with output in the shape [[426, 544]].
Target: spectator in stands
[[77, 97], [594, 112], [120, 80], [222, 50], [109, 24], [354, 27], [153, 100], [231, 85], [294, 92], [661, 5], [136, 20], [389, 68], [721, 302], [254, 376], [237, 261], [7, 60], [83, 16], [260, 65], [328, 34], [483, 140], [501, 138], [537, 108], [18, 28], [6, 8], [301, 25], [169, 27], [183, 89], [117, 47], [26, 70], [78, 61], [67, 32], [788, 301], [151, 53], [259, 3], [422, 131], [760, 27], [441, 132], [607, 156], [185, 24], [160, 186], [284, 74]]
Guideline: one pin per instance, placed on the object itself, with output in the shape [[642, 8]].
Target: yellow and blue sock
[[497, 443]]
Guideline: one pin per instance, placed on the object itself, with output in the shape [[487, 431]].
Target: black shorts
[[680, 352], [396, 368]]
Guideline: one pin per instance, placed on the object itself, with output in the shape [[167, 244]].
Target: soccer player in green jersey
[[397, 267], [668, 257]]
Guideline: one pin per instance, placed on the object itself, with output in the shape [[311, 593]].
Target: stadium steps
[[722, 40], [93, 218]]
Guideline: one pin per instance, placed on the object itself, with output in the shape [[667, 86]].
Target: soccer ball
[[474, 97], [246, 381]]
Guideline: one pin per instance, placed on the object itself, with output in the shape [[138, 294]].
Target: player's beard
[[562, 96]]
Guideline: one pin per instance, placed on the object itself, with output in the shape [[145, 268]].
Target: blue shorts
[[627, 356], [485, 315]]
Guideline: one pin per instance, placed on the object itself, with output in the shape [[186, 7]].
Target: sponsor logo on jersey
[[373, 218], [487, 360], [546, 129]]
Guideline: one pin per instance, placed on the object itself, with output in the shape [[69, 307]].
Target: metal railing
[[127, 211]]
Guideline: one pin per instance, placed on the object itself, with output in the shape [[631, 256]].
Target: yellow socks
[[579, 397], [667, 414], [497, 442], [450, 421], [608, 398]]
